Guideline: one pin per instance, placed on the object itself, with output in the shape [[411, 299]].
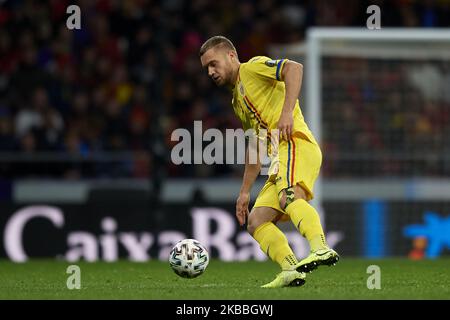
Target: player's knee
[[255, 220], [252, 224]]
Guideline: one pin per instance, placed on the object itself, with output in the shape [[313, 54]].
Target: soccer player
[[265, 96]]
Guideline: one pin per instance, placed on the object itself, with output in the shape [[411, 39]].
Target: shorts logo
[[271, 63]]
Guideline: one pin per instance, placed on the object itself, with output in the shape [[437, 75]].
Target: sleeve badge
[[271, 63]]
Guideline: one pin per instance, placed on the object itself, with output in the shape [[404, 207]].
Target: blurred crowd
[[103, 101], [386, 117]]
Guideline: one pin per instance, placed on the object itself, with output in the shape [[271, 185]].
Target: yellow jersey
[[258, 97]]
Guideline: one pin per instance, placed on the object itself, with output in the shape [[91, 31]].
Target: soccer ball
[[189, 258]]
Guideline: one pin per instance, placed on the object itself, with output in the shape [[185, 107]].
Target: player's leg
[[274, 243], [293, 200], [261, 225], [307, 221], [271, 239], [300, 162]]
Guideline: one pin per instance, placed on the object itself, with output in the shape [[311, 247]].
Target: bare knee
[[258, 216], [252, 224]]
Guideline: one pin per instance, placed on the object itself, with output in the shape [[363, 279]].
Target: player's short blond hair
[[212, 42]]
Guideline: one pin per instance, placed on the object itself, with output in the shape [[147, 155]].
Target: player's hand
[[242, 207], [285, 125]]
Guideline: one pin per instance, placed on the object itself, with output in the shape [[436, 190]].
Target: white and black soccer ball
[[189, 258]]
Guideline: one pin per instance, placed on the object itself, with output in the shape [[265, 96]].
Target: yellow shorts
[[298, 162]]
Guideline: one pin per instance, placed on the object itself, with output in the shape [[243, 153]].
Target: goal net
[[379, 103]]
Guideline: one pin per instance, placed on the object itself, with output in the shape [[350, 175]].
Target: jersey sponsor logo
[[271, 63]]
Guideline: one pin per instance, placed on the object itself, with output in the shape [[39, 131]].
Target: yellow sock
[[307, 221], [275, 244]]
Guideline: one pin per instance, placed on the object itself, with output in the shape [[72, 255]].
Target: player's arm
[[292, 75], [250, 174]]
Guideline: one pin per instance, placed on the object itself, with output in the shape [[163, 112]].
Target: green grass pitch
[[400, 279]]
